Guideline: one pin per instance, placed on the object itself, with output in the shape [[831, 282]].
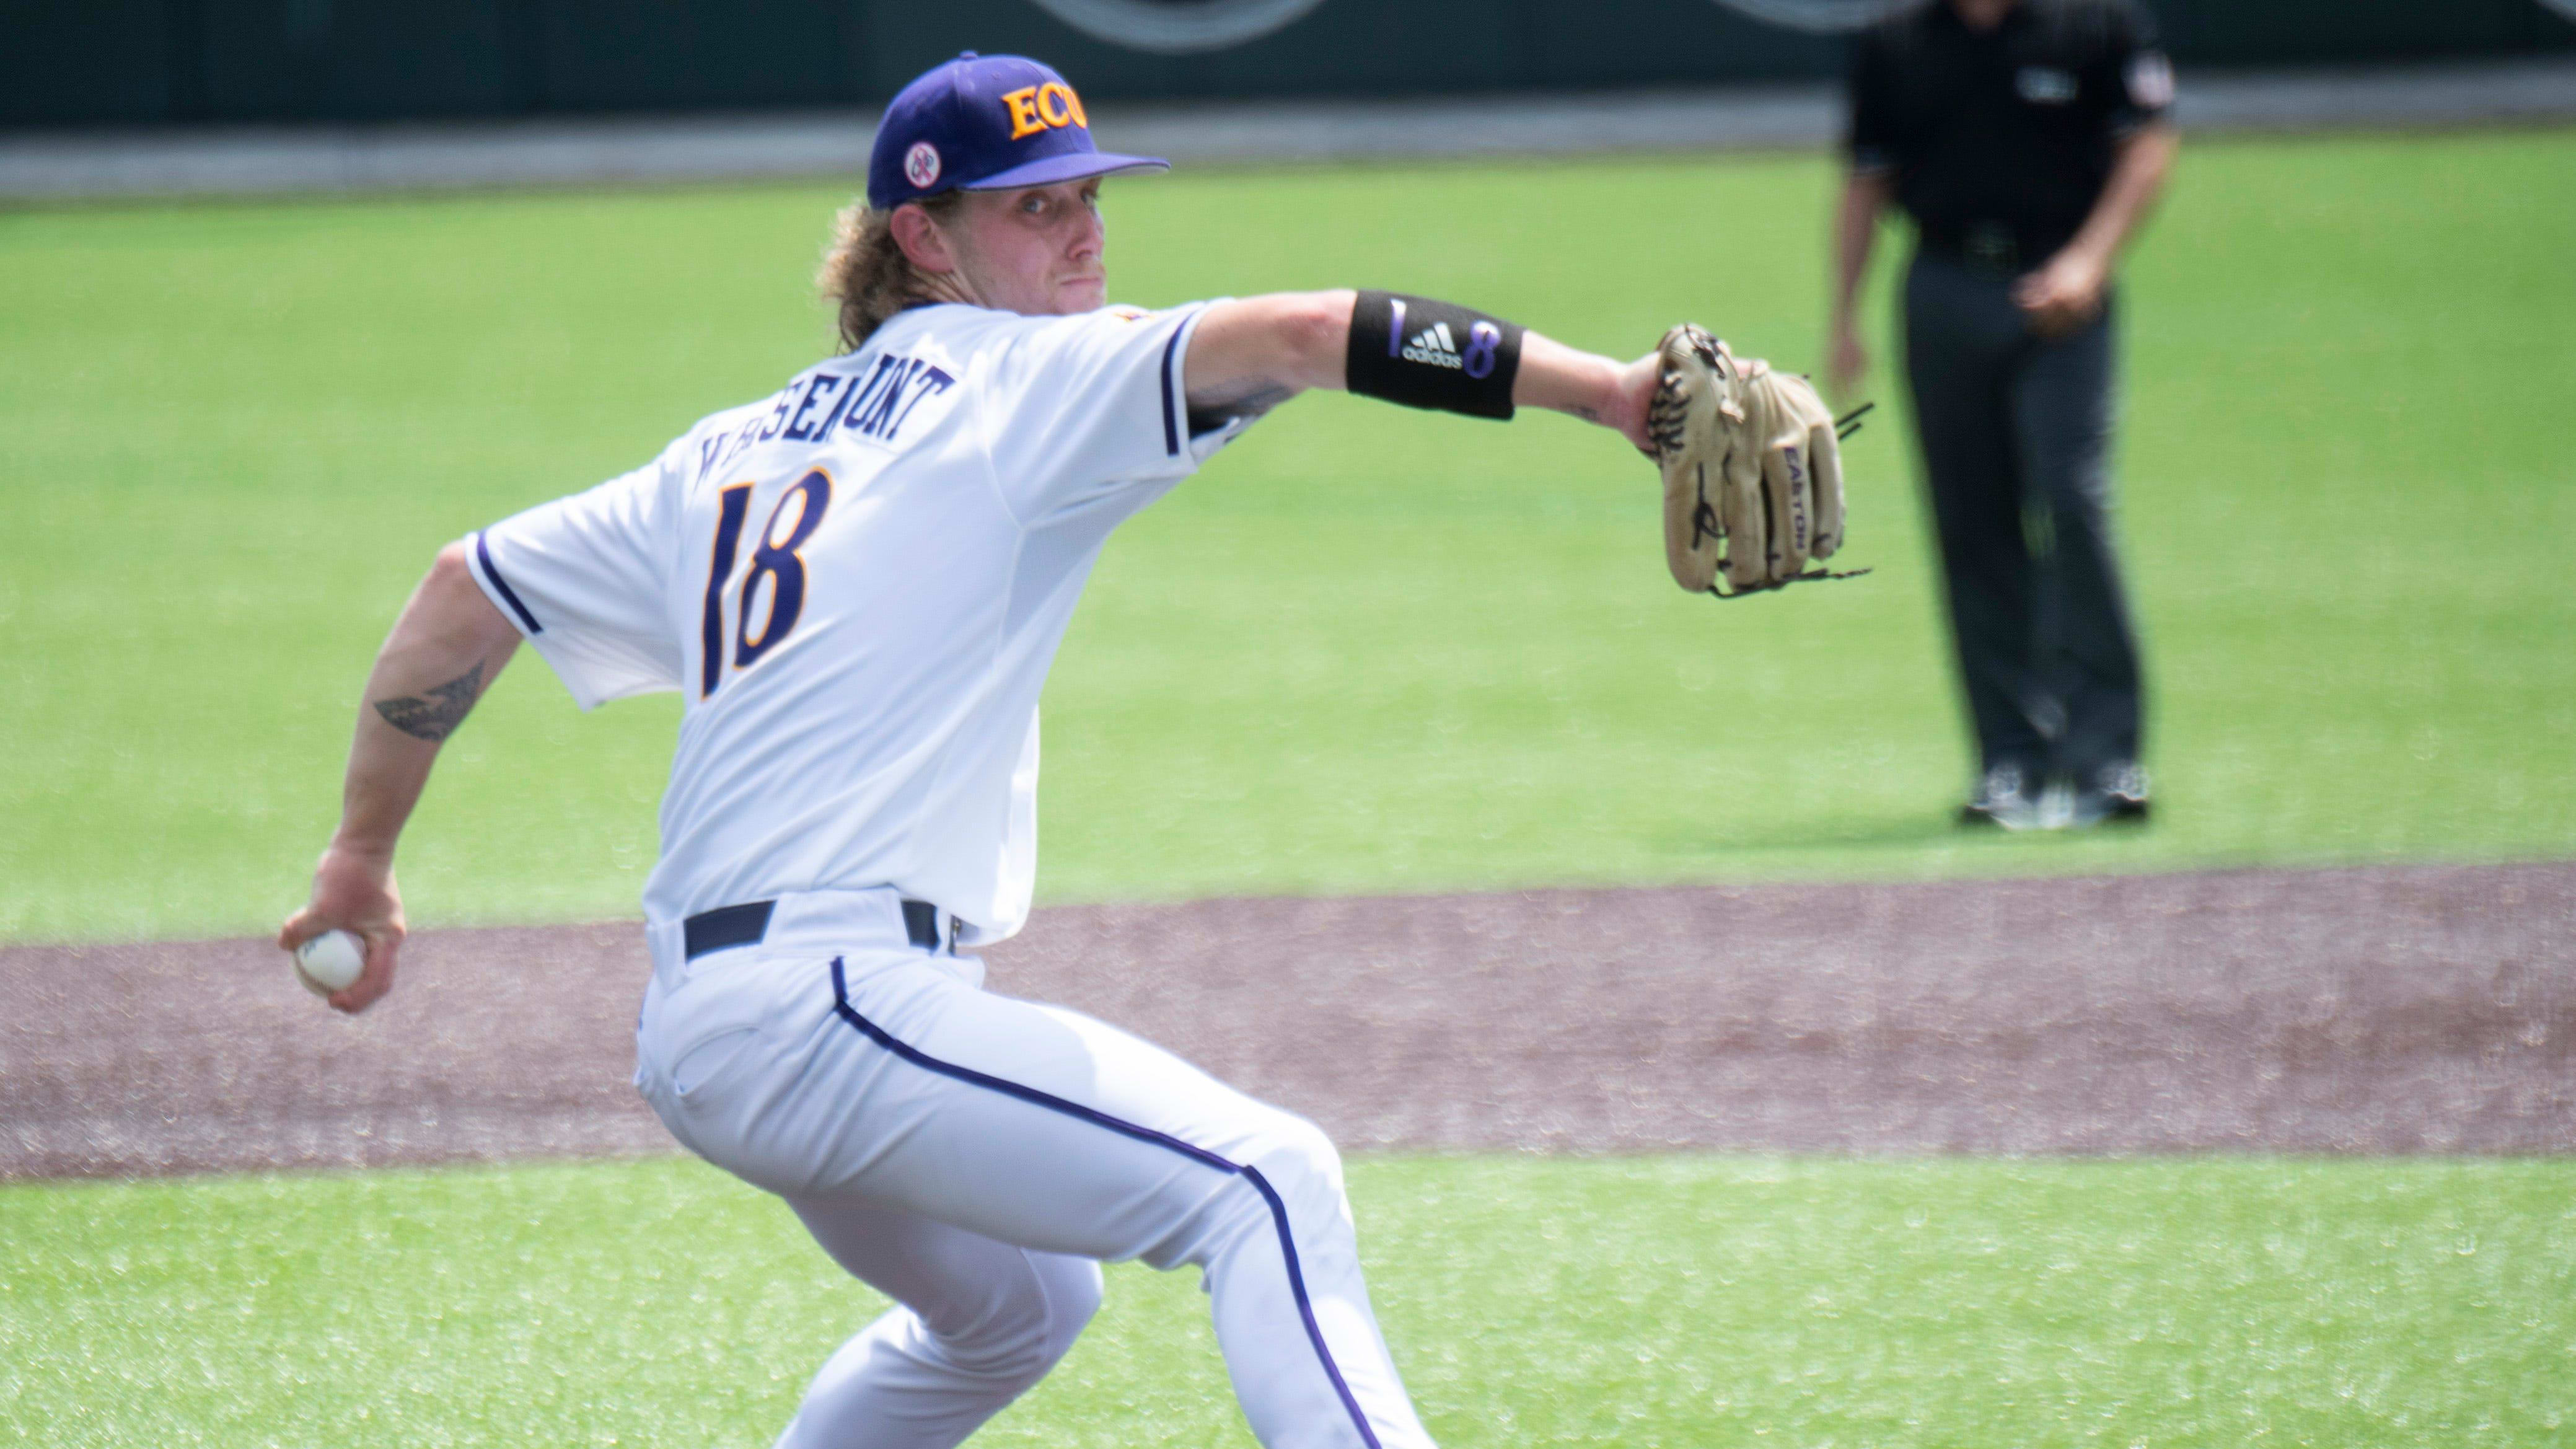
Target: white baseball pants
[[975, 1157]]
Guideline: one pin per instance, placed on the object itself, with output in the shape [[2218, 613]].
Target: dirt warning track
[[2420, 1009]]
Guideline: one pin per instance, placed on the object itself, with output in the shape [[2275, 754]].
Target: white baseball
[[330, 962]]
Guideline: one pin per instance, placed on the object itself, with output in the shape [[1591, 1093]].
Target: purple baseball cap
[[986, 123]]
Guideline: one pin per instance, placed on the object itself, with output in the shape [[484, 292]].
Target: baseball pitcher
[[857, 584]]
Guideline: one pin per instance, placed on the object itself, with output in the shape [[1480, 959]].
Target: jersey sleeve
[[586, 579], [2137, 77], [1084, 411], [1869, 128]]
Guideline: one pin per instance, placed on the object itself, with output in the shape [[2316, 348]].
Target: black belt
[[726, 927], [1989, 249]]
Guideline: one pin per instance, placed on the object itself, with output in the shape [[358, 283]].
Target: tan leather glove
[[1753, 474]]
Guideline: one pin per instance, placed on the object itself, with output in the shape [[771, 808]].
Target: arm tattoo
[[435, 718]]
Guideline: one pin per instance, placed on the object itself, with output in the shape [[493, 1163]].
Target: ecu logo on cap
[[1044, 108]]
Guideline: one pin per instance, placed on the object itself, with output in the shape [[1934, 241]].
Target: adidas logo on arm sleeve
[[1433, 345]]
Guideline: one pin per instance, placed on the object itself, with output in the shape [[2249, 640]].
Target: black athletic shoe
[[2005, 797], [2117, 795]]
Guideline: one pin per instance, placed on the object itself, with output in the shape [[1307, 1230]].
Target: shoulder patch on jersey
[[2151, 81]]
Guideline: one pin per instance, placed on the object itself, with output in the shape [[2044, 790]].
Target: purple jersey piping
[[510, 596], [1171, 413]]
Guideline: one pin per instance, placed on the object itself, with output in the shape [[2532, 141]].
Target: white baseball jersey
[[858, 585]]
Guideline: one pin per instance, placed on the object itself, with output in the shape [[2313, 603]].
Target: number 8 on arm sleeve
[[1424, 353]]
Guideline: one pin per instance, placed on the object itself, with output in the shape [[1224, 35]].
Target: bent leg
[[974, 1324], [1036, 1126]]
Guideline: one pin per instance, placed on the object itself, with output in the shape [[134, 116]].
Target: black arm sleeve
[[1424, 353]]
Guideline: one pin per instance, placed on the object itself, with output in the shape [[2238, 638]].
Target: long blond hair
[[865, 271]]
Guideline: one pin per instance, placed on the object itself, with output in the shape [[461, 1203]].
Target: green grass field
[[1367, 650], [1641, 1303]]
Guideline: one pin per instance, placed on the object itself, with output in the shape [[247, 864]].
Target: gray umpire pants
[[2015, 430]]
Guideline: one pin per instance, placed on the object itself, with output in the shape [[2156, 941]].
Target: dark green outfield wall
[[124, 62]]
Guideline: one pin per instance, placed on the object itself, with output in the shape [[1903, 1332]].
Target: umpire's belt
[[1987, 248], [726, 927]]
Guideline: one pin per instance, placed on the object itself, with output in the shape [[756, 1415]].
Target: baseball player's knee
[[1073, 1291], [1286, 1165], [1020, 1334], [1301, 1165]]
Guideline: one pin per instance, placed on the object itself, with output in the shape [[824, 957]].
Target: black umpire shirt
[[2001, 141]]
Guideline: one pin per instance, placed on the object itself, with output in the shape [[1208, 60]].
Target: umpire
[[2027, 139]]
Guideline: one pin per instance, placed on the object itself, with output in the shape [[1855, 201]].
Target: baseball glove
[[1752, 465]]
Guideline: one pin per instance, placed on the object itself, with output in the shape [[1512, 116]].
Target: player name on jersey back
[[824, 406]]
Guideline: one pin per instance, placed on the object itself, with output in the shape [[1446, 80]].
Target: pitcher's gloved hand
[[1752, 465]]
